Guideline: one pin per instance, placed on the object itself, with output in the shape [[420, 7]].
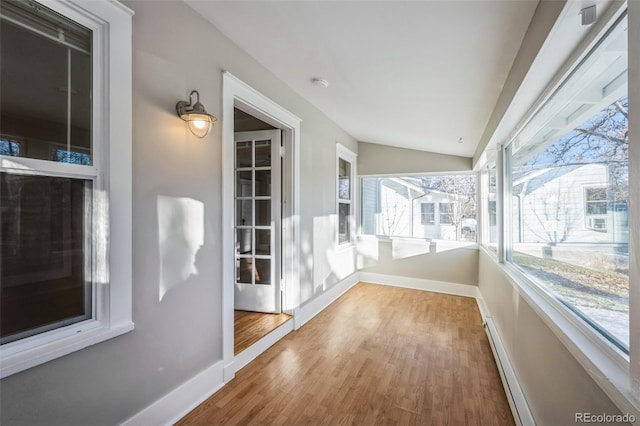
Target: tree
[[604, 138], [462, 189]]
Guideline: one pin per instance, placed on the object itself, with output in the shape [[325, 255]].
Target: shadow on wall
[[423, 259], [180, 237]]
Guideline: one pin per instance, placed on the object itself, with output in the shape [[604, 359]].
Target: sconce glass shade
[[198, 119]]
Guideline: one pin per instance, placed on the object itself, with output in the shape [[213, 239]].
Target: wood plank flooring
[[378, 355], [249, 327]]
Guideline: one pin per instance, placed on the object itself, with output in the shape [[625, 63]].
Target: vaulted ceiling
[[419, 75]]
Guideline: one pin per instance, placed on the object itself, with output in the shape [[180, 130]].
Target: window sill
[[606, 365], [24, 354]]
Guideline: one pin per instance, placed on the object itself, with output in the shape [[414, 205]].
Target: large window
[[345, 194], [570, 192], [56, 241], [428, 206]]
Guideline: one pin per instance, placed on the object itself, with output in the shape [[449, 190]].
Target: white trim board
[[517, 401], [179, 402], [455, 289], [318, 304], [252, 352]]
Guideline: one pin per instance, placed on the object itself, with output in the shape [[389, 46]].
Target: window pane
[[244, 271], [46, 85], [244, 156], [263, 241], [263, 183], [344, 222], [9, 147], [263, 271], [263, 153], [570, 192], [428, 213], [45, 254], [344, 179], [243, 242], [405, 206], [263, 212]]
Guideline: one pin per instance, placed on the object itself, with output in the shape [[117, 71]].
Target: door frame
[[238, 94]]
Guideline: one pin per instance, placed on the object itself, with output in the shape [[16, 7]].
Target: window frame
[[111, 173], [616, 373], [345, 154], [464, 243]]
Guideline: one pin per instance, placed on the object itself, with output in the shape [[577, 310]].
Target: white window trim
[[617, 374], [110, 22], [342, 152]]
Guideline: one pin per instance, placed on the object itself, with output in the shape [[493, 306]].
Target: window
[[9, 147], [446, 213], [569, 188], [428, 215], [345, 191], [427, 206], [55, 187], [596, 208]]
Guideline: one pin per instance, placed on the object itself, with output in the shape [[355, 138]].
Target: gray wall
[[174, 51], [554, 383], [374, 159], [417, 258]]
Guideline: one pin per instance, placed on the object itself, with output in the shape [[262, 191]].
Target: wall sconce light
[[199, 120]]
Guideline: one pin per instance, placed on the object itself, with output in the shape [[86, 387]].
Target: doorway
[[261, 174], [258, 229]]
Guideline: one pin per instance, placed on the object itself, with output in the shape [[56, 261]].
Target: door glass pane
[[263, 183], [263, 271], [244, 213], [48, 108], [243, 244], [263, 241], [244, 269], [263, 212], [45, 274], [243, 154], [263, 153], [243, 184]]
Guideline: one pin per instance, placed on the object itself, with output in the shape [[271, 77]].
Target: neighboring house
[[402, 207], [567, 204]]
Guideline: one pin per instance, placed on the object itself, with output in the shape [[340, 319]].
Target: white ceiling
[[418, 74]]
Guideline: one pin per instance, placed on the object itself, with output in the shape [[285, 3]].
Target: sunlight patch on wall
[[180, 236]]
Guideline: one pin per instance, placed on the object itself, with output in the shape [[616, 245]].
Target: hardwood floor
[[378, 355], [249, 327]]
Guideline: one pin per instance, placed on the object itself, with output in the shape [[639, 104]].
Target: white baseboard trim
[[180, 401], [482, 306], [253, 351], [420, 284], [518, 403], [318, 304]]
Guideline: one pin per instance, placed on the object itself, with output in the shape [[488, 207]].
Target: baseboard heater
[[517, 402]]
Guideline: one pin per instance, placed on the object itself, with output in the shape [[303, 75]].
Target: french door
[[257, 221]]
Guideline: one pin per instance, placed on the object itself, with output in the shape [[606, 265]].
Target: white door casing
[[237, 94]]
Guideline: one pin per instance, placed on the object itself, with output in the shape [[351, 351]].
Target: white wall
[[177, 299], [442, 261]]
